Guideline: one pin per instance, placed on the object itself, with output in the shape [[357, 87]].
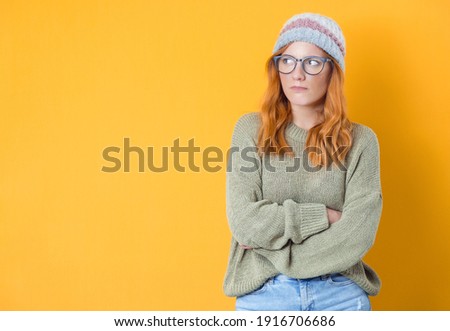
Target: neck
[[306, 117]]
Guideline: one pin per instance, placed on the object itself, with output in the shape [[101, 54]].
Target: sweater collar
[[296, 132]]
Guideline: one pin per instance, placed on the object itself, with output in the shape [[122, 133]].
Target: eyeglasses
[[312, 65]]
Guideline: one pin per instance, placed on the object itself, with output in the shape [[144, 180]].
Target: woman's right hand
[[333, 215]]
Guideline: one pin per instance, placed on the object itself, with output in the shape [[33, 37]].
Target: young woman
[[303, 190]]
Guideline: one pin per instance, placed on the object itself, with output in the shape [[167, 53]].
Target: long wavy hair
[[329, 141]]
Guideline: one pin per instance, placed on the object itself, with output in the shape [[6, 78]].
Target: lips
[[298, 88]]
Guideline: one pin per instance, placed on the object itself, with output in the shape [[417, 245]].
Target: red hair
[[332, 138]]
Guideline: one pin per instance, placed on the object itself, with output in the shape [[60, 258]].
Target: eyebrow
[[302, 56]]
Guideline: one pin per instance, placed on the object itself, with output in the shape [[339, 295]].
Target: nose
[[298, 72]]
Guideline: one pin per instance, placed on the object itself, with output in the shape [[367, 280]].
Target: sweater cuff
[[313, 219]]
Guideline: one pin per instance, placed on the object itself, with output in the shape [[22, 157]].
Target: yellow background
[[79, 76]]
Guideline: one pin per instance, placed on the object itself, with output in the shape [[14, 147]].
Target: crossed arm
[[280, 231]]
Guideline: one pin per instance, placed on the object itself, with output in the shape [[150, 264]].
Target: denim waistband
[[287, 278]]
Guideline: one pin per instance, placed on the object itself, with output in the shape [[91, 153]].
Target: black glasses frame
[[324, 60]]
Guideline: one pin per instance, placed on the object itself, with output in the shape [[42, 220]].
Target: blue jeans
[[328, 292]]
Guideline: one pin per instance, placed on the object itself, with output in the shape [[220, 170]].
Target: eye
[[286, 60], [314, 62]]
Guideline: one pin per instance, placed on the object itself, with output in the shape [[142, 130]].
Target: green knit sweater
[[279, 209]]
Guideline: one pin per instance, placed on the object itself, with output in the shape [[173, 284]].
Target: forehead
[[301, 48]]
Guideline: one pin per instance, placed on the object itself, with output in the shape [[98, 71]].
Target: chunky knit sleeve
[[253, 220], [345, 242]]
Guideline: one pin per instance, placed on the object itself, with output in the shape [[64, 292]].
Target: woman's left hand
[[245, 246]]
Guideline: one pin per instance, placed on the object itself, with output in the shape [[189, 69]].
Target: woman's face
[[313, 97]]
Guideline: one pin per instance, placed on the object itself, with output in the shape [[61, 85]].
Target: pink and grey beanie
[[316, 29]]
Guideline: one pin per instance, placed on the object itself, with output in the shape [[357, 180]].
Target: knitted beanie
[[316, 29]]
